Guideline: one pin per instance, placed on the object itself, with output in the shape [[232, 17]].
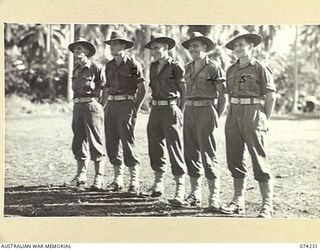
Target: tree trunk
[[70, 65], [50, 51], [295, 80]]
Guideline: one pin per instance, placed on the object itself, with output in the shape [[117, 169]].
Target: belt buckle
[[237, 100]]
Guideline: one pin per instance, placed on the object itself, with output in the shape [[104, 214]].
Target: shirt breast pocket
[[87, 83], [133, 72], [167, 76], [170, 75], [206, 78], [248, 83], [125, 75], [126, 78]]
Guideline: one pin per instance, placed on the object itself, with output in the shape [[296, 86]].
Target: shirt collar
[[252, 61], [206, 61], [86, 65], [169, 60], [124, 60]]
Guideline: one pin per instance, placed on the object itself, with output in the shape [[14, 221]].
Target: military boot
[[98, 178], [214, 196], [157, 188], [134, 180], [117, 183], [80, 180], [179, 198], [266, 189], [195, 196], [237, 205]]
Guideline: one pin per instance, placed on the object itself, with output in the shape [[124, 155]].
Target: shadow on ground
[[63, 201]]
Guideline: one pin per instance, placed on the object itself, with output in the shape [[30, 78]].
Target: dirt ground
[[38, 152]]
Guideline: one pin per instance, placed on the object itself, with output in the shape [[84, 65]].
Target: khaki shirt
[[203, 84], [254, 80], [123, 79], [165, 83], [87, 81]]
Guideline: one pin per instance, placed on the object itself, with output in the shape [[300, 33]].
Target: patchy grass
[[38, 152], [19, 106]]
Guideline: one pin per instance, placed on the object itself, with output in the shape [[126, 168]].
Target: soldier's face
[[242, 48], [197, 49], [158, 50], [117, 48], [80, 51]]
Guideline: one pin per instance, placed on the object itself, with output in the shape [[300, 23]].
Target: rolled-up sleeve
[[179, 74], [267, 82], [219, 77]]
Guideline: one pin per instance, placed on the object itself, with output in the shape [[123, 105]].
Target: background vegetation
[[38, 63]]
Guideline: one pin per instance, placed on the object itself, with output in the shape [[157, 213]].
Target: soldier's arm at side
[[141, 93], [179, 73], [183, 91], [220, 80], [222, 98], [100, 85], [270, 103], [104, 97], [269, 89]]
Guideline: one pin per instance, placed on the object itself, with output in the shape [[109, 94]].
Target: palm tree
[[310, 38], [40, 40]]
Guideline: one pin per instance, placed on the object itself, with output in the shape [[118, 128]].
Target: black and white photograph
[[162, 120]]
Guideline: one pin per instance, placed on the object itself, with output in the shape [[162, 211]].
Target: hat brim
[[208, 42], [129, 44], [255, 38], [89, 46], [166, 40]]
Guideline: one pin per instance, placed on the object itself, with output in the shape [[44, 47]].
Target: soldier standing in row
[[88, 117], [165, 121], [205, 103], [252, 97], [123, 94]]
